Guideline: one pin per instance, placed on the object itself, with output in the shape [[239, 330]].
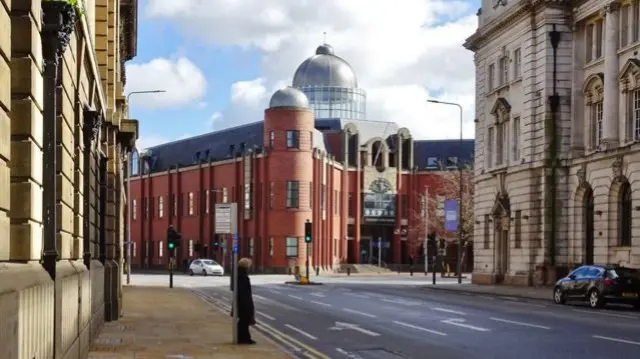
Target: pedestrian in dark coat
[[246, 310]]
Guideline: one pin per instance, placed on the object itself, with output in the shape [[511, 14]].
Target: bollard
[[317, 271], [348, 271]]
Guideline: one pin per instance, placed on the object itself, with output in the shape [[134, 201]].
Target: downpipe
[[554, 106]]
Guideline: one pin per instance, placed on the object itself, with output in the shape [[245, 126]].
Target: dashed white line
[[520, 323], [618, 340], [267, 316], [358, 295], [295, 297], [347, 354], [486, 297], [300, 331], [275, 291], [420, 328], [449, 311], [315, 294], [358, 312], [529, 304], [607, 314], [320, 303]]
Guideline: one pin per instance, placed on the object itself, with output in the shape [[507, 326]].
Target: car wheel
[[595, 299], [204, 272], [190, 272], [559, 296]]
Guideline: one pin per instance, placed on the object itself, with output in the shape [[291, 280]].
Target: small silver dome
[[325, 69], [289, 97]]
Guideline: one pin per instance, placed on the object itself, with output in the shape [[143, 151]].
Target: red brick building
[[359, 182]]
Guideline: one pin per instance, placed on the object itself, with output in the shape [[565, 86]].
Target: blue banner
[[451, 215]]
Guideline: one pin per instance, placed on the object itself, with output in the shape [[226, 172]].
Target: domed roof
[[325, 69], [289, 97]]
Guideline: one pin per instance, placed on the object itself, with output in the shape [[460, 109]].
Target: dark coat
[[246, 310]]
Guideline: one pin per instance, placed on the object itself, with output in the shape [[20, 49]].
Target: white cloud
[[403, 52], [183, 82], [145, 142]]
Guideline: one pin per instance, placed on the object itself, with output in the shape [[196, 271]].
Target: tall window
[[207, 198], [225, 195], [251, 243], [624, 13], [292, 247], [516, 139], [625, 215], [145, 207], [174, 205], [272, 138], [160, 249], [293, 194], [160, 207], [247, 196], [598, 38], [589, 42], [491, 77], [270, 246], [635, 116], [293, 139], [517, 64], [635, 21], [500, 144], [504, 70], [597, 123], [489, 146], [190, 203], [323, 197], [134, 209], [350, 205]]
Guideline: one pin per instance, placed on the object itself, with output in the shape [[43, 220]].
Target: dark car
[[599, 285]]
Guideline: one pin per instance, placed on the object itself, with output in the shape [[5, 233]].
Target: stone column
[[90, 130], [610, 121], [578, 122]]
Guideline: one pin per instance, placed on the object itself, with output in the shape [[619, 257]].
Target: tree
[[443, 184]]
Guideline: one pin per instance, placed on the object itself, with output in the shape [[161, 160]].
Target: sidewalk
[[537, 293], [163, 323]]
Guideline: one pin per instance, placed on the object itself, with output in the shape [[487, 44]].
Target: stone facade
[[557, 138], [62, 125]]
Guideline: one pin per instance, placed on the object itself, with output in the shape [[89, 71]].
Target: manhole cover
[[375, 354]]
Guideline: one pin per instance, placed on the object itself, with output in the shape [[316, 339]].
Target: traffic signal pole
[[308, 231], [171, 268]]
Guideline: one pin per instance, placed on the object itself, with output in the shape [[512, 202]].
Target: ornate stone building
[[63, 134], [557, 138]]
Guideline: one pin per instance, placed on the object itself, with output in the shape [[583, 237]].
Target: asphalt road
[[386, 321]]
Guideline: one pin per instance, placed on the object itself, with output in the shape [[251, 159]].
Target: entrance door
[[588, 227], [501, 237]]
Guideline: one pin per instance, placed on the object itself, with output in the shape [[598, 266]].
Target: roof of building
[[289, 97], [325, 69]]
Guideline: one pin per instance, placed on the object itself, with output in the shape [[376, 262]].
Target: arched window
[[377, 154], [625, 215], [630, 88], [594, 98]]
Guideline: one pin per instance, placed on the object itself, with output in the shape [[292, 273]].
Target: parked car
[[205, 267], [599, 285]]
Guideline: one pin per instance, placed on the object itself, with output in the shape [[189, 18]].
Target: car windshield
[[209, 262], [624, 273]]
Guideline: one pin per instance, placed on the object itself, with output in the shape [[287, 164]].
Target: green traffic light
[[307, 239], [171, 245]]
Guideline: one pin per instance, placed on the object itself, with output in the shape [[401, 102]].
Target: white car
[[205, 267]]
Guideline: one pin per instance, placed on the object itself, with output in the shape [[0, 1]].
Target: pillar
[[577, 97], [611, 127]]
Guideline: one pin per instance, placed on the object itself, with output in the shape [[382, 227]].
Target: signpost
[[452, 224], [226, 222]]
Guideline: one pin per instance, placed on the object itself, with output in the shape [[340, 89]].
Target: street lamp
[[141, 92], [459, 269]]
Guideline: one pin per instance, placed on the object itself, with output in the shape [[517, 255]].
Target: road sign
[[226, 219], [235, 243], [451, 215]]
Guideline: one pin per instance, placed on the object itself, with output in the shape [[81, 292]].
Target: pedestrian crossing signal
[[307, 232]]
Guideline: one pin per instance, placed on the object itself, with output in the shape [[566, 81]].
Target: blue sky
[[220, 62]]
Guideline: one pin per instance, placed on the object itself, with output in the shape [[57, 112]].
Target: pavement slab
[[161, 323]]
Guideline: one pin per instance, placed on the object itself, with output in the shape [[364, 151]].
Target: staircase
[[362, 268]]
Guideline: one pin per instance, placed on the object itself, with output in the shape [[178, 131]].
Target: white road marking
[[300, 331], [316, 294], [347, 354], [420, 328], [449, 311], [320, 303], [259, 297], [616, 340], [341, 326], [520, 323], [267, 316], [358, 295], [460, 323], [607, 314], [401, 301], [529, 304], [275, 291], [295, 296], [360, 313], [487, 297]]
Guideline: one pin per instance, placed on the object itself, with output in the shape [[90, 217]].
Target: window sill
[[593, 63], [632, 46], [517, 80], [498, 89], [497, 169]]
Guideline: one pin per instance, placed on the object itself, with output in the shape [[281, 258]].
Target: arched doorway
[[501, 218], [625, 215], [588, 221]]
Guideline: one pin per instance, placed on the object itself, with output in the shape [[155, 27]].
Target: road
[[388, 319]]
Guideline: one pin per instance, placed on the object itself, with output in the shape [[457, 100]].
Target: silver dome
[[289, 97], [325, 69]]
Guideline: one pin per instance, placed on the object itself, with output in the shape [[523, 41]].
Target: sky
[[220, 61]]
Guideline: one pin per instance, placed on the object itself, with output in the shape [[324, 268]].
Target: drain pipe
[[552, 178]]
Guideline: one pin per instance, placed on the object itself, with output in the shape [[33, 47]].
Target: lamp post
[[459, 266], [129, 170]]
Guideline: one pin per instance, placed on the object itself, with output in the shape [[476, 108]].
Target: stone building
[[63, 132], [558, 124]]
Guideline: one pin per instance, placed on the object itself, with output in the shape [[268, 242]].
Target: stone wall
[[56, 312]]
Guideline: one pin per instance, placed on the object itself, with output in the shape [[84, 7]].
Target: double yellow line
[[284, 339]]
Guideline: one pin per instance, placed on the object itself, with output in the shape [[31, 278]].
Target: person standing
[[246, 310]]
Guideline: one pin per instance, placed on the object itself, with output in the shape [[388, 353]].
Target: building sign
[[379, 202], [451, 215]]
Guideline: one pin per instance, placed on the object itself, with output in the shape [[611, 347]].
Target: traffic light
[[215, 244], [173, 238], [431, 237], [307, 232]]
